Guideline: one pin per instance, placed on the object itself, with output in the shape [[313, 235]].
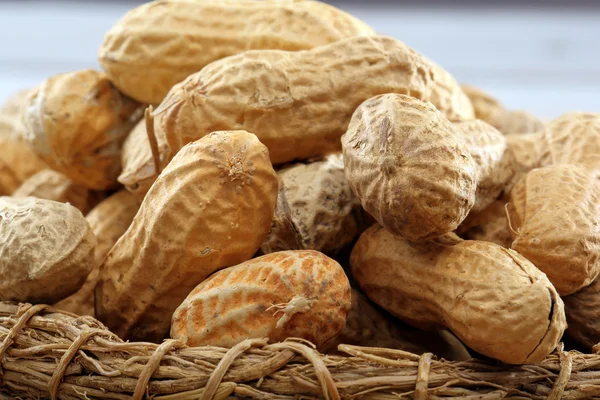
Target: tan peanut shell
[[18, 162], [300, 103], [527, 150], [367, 325], [109, 220], [492, 298], [484, 104], [489, 225], [554, 213], [573, 138], [210, 208], [52, 185], [11, 115], [159, 44], [300, 293], [494, 164], [409, 166], [316, 209], [583, 315], [515, 121], [46, 251], [76, 122]]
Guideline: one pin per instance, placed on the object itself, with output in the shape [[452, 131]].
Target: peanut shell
[[515, 121], [210, 208], [159, 44], [484, 104], [409, 166], [490, 297], [527, 150], [489, 225], [300, 294], [583, 315], [554, 213], [11, 115], [76, 122], [18, 163], [46, 252]]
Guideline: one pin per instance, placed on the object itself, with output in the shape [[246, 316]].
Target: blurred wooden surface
[[545, 59]]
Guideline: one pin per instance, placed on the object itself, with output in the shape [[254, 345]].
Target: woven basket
[[47, 353]]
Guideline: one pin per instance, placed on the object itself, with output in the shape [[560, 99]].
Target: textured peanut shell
[[286, 294], [18, 162], [52, 185], [515, 121], [139, 171], [46, 252], [554, 213], [484, 104], [492, 298], [573, 138], [528, 150], [76, 122], [300, 103], [316, 209], [11, 115], [583, 315], [159, 44], [495, 166], [409, 166], [369, 326], [109, 220], [210, 208], [489, 225]]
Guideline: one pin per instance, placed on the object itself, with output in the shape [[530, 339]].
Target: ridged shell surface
[[554, 213], [18, 162], [409, 166], [76, 122], [484, 104], [515, 121], [489, 225], [528, 150], [109, 220], [211, 208], [492, 298], [159, 44], [285, 294], [46, 252]]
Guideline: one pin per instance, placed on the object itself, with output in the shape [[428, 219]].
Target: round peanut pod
[[300, 103], [554, 213], [51, 185], [573, 138], [286, 294], [11, 115], [492, 298], [46, 252], [484, 104], [18, 163], [494, 164], [583, 315], [76, 122], [515, 121], [489, 225], [158, 44], [210, 208], [109, 220], [409, 166], [316, 209]]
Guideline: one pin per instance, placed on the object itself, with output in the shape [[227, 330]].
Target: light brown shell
[[495, 166], [528, 150], [573, 138], [109, 220], [583, 315], [52, 185], [46, 252], [18, 162], [210, 208], [156, 45], [316, 209], [409, 166], [515, 121], [554, 213], [139, 172], [11, 115], [286, 294], [489, 225], [492, 298], [76, 122], [369, 326], [484, 104], [300, 103]]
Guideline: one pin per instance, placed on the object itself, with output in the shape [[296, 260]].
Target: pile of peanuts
[[276, 169]]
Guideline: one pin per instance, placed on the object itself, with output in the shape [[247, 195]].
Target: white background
[[543, 59]]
